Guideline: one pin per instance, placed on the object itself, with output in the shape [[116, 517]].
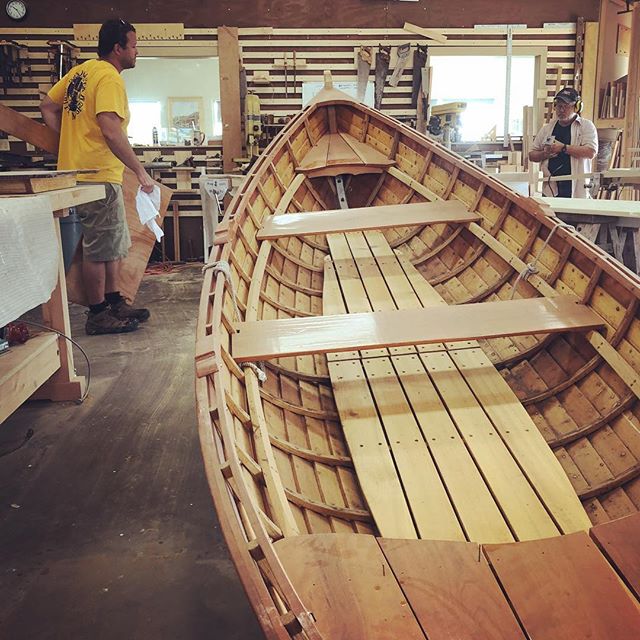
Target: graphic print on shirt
[[74, 97]]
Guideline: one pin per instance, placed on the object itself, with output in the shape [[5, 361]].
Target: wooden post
[[229, 50], [176, 232], [632, 106], [64, 384], [589, 64]]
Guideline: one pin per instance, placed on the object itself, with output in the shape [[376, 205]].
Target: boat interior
[[418, 396]]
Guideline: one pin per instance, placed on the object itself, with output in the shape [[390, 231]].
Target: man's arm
[[111, 126], [574, 150], [51, 113]]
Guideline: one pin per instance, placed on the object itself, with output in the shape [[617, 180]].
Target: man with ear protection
[[566, 146]]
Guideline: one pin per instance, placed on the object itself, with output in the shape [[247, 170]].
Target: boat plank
[[527, 517], [480, 516], [365, 218], [427, 497], [523, 439], [370, 453], [263, 340], [345, 580], [451, 590], [562, 587], [620, 542]]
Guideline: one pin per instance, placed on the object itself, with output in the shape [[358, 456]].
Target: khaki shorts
[[104, 226]]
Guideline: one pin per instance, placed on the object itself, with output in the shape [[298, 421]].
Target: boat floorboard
[[358, 586], [442, 447]]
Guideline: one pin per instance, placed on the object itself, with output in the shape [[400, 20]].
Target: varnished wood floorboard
[[107, 528]]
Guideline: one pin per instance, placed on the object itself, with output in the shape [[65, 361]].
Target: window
[[480, 82], [144, 117]]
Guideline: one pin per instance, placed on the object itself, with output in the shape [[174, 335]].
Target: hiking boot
[[124, 311], [106, 322]]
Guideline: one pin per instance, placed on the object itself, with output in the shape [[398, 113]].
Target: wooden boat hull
[[351, 481]]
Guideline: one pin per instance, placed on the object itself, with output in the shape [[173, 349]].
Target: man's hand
[[555, 148], [146, 183]]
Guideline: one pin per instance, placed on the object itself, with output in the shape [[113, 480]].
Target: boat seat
[[365, 218], [442, 447], [340, 153], [358, 587]]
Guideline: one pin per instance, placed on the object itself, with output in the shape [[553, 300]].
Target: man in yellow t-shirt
[[90, 110]]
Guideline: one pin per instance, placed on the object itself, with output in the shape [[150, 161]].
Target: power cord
[[27, 437], [73, 342]]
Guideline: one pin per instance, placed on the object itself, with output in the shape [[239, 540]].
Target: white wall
[[157, 79]]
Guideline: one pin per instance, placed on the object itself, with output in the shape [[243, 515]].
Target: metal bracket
[[342, 196]]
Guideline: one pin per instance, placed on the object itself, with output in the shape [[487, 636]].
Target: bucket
[[71, 233]]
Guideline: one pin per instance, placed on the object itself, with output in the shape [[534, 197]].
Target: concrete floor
[[107, 527]]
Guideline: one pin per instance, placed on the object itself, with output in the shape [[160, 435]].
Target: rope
[[532, 267], [223, 267], [257, 369]]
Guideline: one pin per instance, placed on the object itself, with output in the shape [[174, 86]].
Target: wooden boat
[[443, 438]]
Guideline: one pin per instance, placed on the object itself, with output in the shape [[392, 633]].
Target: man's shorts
[[104, 226]]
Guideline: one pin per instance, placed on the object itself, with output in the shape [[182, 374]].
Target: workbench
[[614, 225], [43, 367]]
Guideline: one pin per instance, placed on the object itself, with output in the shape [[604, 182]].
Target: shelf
[[24, 369], [609, 123]]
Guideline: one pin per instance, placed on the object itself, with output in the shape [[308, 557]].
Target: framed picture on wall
[[185, 115]]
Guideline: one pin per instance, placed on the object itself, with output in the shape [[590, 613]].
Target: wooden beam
[[427, 33], [591, 30], [582, 206], [632, 107], [326, 334], [230, 96], [365, 218]]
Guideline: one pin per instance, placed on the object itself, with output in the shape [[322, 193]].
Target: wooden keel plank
[[451, 590], [279, 338], [620, 542], [365, 218], [562, 587], [523, 439], [345, 580], [518, 501]]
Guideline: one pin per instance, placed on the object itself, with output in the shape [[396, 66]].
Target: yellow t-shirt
[[89, 89]]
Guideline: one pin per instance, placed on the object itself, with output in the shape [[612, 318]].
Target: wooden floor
[[107, 529]]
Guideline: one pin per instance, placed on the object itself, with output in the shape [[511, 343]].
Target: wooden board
[[24, 368], [339, 153], [142, 242], [562, 587], [523, 439], [619, 540], [348, 585], [451, 590], [63, 199], [23, 182], [230, 96], [361, 219], [619, 208], [278, 338], [517, 499]]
